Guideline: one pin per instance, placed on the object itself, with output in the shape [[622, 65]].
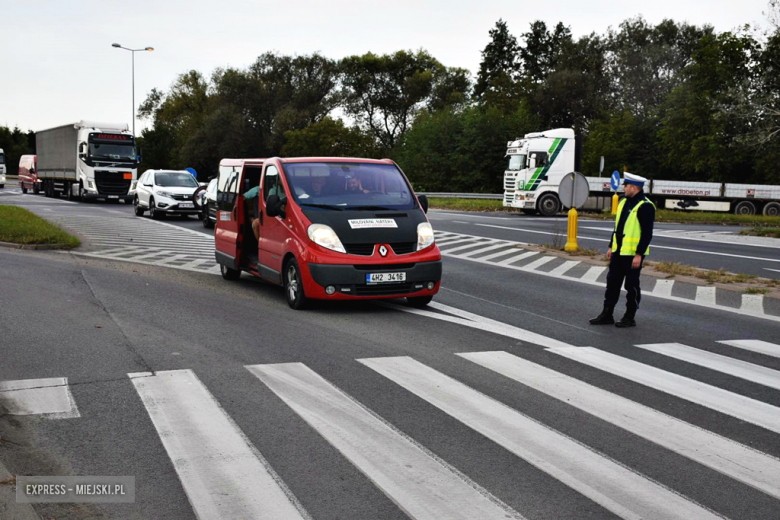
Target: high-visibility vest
[[632, 231]]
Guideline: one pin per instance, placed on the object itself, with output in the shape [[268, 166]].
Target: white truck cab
[[537, 164], [2, 168]]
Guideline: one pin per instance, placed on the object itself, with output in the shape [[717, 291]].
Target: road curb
[[39, 247]]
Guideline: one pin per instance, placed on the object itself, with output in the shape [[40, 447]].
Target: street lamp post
[[133, 51]]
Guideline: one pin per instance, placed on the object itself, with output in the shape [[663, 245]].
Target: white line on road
[[729, 403], [733, 367], [705, 295], [564, 267], [493, 255], [422, 485], [517, 258], [222, 473], [735, 460], [593, 273], [539, 262], [671, 234], [716, 253], [606, 482], [483, 250], [775, 270], [754, 345], [468, 246], [50, 398]]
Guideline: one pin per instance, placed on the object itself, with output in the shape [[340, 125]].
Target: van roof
[[241, 162], [334, 159]]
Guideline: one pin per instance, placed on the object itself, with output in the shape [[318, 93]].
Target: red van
[[328, 228], [28, 174]]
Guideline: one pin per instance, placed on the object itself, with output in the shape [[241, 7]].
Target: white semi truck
[[88, 160], [2, 168], [539, 161]]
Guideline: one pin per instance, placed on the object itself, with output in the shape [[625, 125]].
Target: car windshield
[[113, 151], [331, 185], [184, 180], [516, 162]]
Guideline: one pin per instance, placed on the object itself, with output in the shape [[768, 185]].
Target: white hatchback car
[[166, 192]]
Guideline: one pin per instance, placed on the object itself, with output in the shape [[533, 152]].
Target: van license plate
[[373, 278]]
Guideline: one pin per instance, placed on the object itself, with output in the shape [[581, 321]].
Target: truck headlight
[[132, 185], [324, 236], [162, 193], [424, 235], [90, 184]]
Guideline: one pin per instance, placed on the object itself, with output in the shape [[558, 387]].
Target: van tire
[[228, 273], [745, 207], [772, 209], [36, 188], [549, 205], [293, 285], [419, 302], [24, 190]]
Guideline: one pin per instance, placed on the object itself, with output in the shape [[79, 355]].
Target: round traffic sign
[[615, 180], [573, 190]]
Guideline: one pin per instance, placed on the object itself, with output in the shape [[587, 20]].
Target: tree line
[[668, 101]]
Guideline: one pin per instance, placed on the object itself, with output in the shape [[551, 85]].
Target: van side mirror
[[274, 205], [423, 202]]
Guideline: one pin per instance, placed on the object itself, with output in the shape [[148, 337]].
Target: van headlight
[[324, 236], [424, 235]]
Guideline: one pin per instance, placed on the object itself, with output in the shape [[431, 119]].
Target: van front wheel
[[293, 286], [419, 301]]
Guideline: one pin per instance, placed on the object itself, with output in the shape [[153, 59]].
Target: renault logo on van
[[383, 250]]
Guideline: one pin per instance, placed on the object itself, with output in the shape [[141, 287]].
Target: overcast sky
[[58, 65]]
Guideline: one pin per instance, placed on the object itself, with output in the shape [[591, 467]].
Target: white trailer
[[88, 160], [539, 161], [2, 168]]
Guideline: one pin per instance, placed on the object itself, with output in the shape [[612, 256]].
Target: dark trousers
[[620, 269]]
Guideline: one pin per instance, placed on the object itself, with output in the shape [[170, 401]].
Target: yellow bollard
[[615, 200], [571, 236]]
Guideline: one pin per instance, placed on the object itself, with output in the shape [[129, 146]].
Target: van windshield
[[331, 185]]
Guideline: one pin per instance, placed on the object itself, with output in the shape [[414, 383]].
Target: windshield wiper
[[368, 208], [323, 206]]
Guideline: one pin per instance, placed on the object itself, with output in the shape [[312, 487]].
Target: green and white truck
[[539, 161]]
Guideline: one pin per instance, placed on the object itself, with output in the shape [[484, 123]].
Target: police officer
[[630, 244]]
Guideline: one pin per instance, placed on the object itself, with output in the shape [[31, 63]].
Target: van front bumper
[[350, 280]]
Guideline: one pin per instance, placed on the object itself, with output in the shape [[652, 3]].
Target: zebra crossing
[[141, 240], [201, 438]]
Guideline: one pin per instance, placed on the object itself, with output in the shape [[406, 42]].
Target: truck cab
[[2, 168], [537, 164]]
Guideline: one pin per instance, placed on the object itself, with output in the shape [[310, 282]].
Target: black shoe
[[605, 318], [627, 320]]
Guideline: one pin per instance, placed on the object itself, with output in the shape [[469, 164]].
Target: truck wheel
[[745, 208], [68, 191], [293, 285], [549, 205], [772, 209], [419, 301], [228, 273], [81, 191]]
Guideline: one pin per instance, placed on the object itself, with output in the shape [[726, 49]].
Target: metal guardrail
[[485, 196]]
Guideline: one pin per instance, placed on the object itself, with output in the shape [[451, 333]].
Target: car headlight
[[424, 235], [324, 236], [162, 193]]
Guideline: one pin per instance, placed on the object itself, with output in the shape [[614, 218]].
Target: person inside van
[[318, 186], [253, 199], [353, 186]]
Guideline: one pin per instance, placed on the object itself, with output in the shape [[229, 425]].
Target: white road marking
[[539, 262], [494, 255], [663, 287], [593, 273], [734, 367], [681, 235], [483, 250], [735, 460], [456, 240], [517, 258], [754, 345], [50, 398], [606, 482], [775, 270], [222, 473], [753, 303], [705, 295], [422, 485], [564, 267], [653, 246], [467, 246], [478, 322], [729, 403]]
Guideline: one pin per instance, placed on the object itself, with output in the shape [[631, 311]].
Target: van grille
[[360, 249], [112, 183], [404, 248], [383, 289]]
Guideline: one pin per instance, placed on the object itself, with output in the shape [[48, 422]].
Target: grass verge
[[19, 226], [662, 215], [720, 276], [773, 232]]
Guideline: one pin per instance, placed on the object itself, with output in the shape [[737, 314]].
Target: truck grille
[[510, 183], [383, 289], [509, 198], [112, 183]]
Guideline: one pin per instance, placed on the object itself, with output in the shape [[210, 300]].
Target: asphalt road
[[428, 421]]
